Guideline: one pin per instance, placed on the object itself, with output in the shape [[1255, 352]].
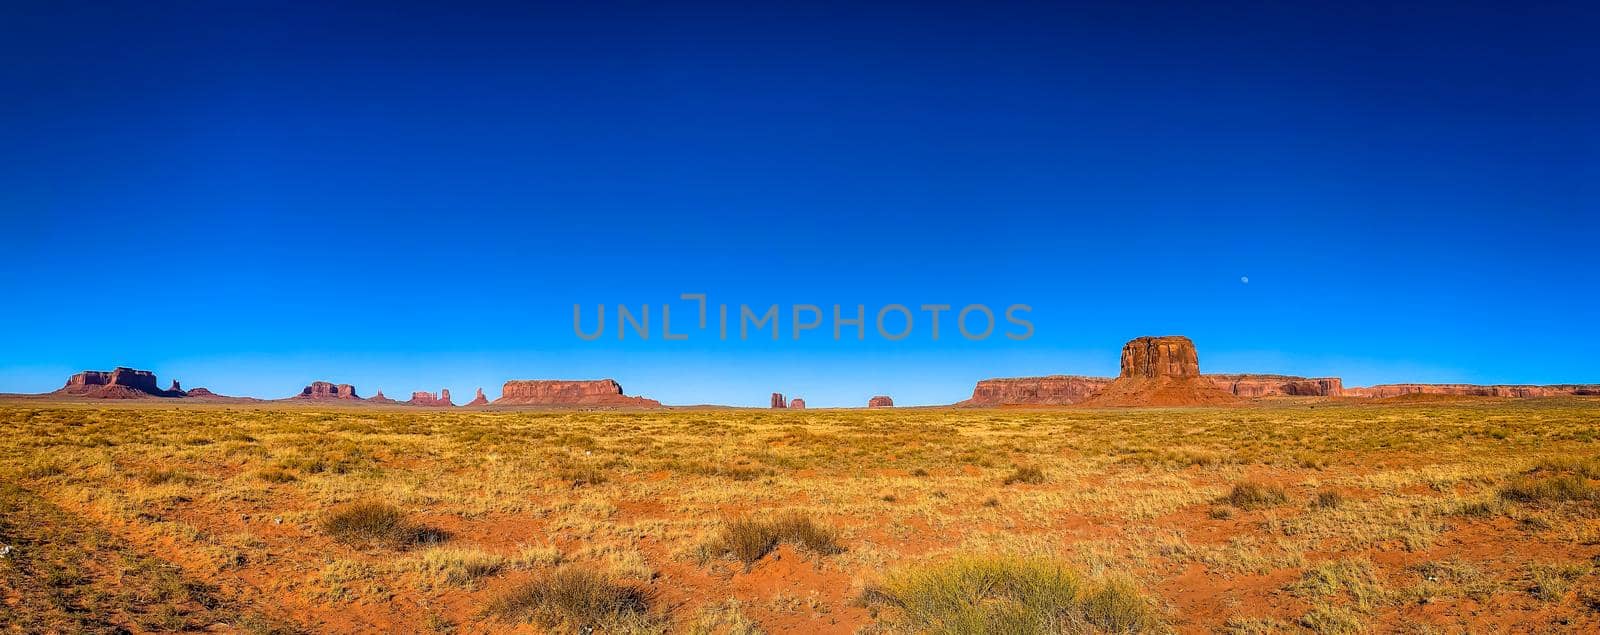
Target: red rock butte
[[880, 401], [128, 383], [1165, 356], [478, 400], [323, 390], [1165, 371], [556, 393], [797, 404], [421, 398], [777, 400]]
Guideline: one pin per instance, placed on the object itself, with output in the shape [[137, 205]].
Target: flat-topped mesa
[[880, 401], [1260, 385], [119, 383], [1054, 390], [479, 399], [797, 404], [420, 398], [777, 400], [1472, 390], [322, 390], [1164, 356], [379, 398], [558, 393]]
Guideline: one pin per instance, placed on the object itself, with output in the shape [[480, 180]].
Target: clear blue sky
[[250, 197]]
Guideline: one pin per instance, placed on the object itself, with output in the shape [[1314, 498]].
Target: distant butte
[[421, 398], [557, 393], [322, 390], [479, 399], [127, 383], [1165, 371]]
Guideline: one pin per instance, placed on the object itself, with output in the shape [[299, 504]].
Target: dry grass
[[1008, 595], [748, 540], [572, 599], [1252, 495], [375, 524], [1472, 509]]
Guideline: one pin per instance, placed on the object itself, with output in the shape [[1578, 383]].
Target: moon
[[1244, 279]]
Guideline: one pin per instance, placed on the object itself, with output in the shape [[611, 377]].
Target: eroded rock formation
[[420, 398], [797, 404], [880, 401], [479, 399], [322, 390], [1164, 356], [379, 398], [1253, 386], [1160, 371], [777, 400], [569, 393], [1473, 390], [119, 383], [1054, 390]]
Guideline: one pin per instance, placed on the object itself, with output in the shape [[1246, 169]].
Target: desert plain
[[1418, 514]]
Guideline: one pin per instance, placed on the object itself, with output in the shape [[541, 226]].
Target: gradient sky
[[252, 196]]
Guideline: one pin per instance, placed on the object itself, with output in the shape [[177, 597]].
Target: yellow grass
[[1300, 515]]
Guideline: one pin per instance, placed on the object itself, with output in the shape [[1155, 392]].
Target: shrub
[[1329, 499], [1026, 474], [748, 540], [571, 598], [1253, 495], [375, 524], [1008, 595]]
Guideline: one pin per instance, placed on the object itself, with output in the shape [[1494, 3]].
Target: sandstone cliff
[[1252, 385], [1160, 371], [322, 390], [797, 404], [880, 401], [1472, 390], [119, 383], [479, 399], [777, 400], [1054, 390], [604, 393], [420, 398]]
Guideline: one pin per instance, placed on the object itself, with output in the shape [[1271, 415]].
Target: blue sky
[[250, 197]]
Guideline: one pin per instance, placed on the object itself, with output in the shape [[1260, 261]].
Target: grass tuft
[[1029, 474], [1002, 594], [375, 524], [571, 598], [748, 540], [1253, 495]]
